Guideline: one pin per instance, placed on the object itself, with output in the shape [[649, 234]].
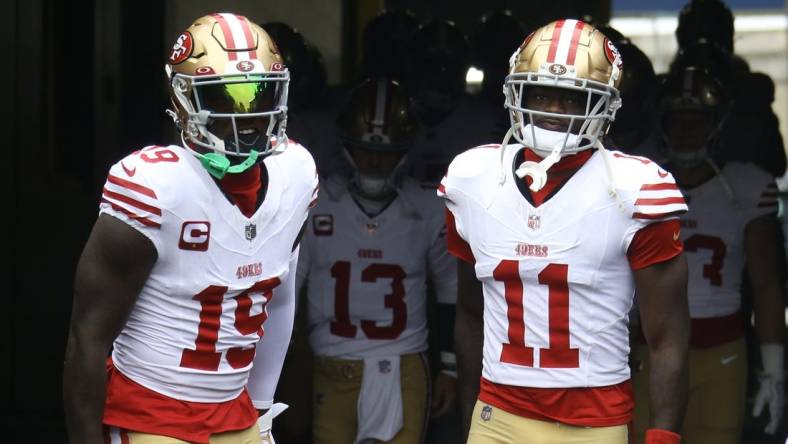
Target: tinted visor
[[255, 96]]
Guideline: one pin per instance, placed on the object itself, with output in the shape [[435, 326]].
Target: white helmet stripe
[[565, 41], [380, 104], [238, 34]]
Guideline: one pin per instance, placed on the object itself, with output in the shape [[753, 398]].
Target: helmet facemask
[[375, 183], [693, 108], [236, 119], [583, 130]]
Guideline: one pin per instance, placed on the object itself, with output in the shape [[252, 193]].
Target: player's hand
[[770, 391], [444, 394], [266, 421]]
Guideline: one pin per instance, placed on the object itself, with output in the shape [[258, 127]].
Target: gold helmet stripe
[[237, 36]]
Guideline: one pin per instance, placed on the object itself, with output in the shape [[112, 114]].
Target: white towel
[[380, 401]]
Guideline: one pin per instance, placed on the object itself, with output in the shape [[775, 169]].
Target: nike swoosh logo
[[129, 172], [728, 359], [662, 174], [676, 236]]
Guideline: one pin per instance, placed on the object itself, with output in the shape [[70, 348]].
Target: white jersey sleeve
[[650, 194], [277, 330], [129, 195]]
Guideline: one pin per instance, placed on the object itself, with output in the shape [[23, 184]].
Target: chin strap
[[218, 165]]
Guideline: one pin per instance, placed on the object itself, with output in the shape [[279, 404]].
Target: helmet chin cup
[[545, 142]]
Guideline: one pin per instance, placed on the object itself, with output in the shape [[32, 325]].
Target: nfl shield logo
[[251, 232], [534, 222], [384, 366], [486, 413], [370, 227]]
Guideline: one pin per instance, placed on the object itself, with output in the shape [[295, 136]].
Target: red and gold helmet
[[228, 87], [568, 54]]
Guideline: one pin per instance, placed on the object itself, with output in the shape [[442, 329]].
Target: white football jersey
[[366, 277], [713, 235], [192, 332], [556, 278]]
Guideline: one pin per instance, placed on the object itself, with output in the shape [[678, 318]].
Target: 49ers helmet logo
[[245, 66], [182, 49], [611, 52], [557, 69]]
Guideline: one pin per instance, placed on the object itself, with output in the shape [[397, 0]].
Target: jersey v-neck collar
[[557, 176]]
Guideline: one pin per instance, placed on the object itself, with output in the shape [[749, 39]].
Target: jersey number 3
[[559, 354], [341, 325]]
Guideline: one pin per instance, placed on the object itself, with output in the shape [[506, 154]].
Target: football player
[[731, 222], [374, 241], [558, 233], [188, 275]]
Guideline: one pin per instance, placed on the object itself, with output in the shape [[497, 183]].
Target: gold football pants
[[717, 393], [491, 425], [248, 436], [337, 384]]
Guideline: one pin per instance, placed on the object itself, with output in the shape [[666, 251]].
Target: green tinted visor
[[253, 96]]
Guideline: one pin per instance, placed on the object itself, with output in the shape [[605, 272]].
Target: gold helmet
[[377, 119], [568, 54], [228, 87]]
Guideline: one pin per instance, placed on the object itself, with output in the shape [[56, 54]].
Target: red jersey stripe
[[570, 58], [140, 219], [659, 187], [441, 189], [660, 201], [131, 201], [642, 160], [456, 244], [639, 215], [124, 437], [131, 185], [554, 41], [228, 36]]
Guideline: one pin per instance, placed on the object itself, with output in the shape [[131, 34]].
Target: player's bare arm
[[113, 267], [468, 339], [664, 311]]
